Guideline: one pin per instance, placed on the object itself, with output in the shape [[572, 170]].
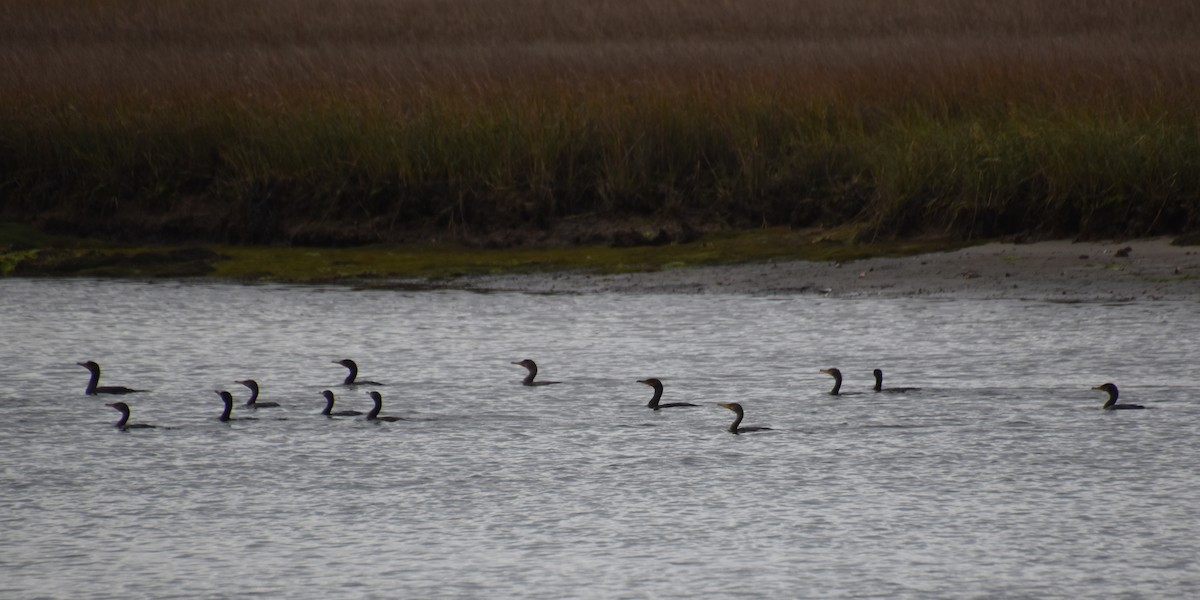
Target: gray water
[[1001, 477]]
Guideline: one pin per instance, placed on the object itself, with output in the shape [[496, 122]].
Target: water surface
[[1000, 477]]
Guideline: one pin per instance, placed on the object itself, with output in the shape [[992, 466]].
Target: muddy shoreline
[[1150, 269]]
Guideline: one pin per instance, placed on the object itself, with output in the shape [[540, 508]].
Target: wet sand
[[1150, 269]]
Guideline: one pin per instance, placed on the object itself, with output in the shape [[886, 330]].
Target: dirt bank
[[1057, 270]]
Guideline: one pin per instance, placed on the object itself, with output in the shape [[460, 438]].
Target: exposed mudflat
[[1055, 270]]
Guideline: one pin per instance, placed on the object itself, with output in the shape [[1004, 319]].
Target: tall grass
[[330, 120]]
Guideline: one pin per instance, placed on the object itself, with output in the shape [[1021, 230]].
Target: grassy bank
[[26, 252], [353, 122]]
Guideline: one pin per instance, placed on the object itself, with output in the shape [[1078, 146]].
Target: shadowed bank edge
[[26, 252]]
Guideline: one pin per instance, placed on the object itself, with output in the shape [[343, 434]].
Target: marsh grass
[[355, 121]]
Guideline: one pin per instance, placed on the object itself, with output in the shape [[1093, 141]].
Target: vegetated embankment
[[334, 122]]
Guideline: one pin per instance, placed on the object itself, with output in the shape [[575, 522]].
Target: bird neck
[[328, 406], [228, 409], [253, 395], [658, 390], [837, 385], [733, 427], [532, 373], [1112, 398], [375, 410], [353, 374], [124, 419], [878, 381], [93, 381]]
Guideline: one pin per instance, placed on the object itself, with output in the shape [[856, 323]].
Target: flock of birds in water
[[94, 388]]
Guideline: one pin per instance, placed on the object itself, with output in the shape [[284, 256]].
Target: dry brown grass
[[872, 50], [974, 116]]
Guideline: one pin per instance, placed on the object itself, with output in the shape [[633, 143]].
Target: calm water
[[1001, 477]]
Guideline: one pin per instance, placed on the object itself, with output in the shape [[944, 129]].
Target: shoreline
[[1152, 269], [772, 264]]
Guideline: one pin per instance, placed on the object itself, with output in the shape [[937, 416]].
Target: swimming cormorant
[[329, 407], [837, 382], [1112, 398], [124, 423], [227, 398], [350, 379], [658, 390], [733, 427], [374, 414], [879, 385], [253, 401], [532, 367], [93, 388]]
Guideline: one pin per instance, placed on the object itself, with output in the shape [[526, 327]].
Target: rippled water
[[1000, 477]]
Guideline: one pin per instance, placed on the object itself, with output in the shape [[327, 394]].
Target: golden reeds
[[979, 118]]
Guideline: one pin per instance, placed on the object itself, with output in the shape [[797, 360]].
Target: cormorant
[[532, 366], [93, 388], [1112, 398], [227, 398], [374, 414], [837, 382], [879, 385], [733, 427], [329, 407], [350, 379], [658, 390], [124, 423], [253, 401]]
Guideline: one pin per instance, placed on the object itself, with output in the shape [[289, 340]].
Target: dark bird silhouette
[[253, 401], [225, 417], [533, 370], [733, 427], [896, 390], [374, 414], [837, 382], [93, 386], [351, 379], [124, 424], [1111, 388], [658, 391], [329, 407]]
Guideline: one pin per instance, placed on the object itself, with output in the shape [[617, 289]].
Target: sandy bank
[[1059, 270]]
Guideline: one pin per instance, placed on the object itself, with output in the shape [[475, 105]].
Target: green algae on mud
[[448, 261], [441, 261]]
